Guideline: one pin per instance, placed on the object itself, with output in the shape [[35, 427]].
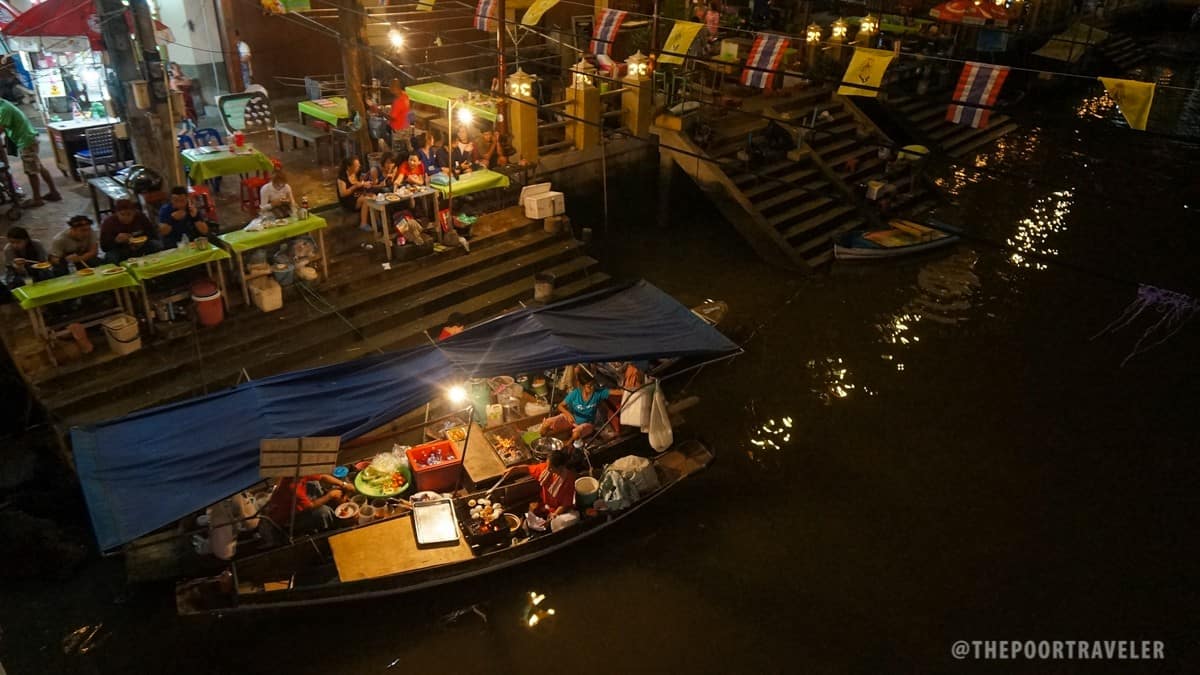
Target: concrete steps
[[372, 312]]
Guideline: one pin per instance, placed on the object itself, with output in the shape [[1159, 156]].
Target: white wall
[[201, 42]]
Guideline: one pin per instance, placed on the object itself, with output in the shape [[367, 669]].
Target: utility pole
[[352, 31], [151, 131], [501, 74]]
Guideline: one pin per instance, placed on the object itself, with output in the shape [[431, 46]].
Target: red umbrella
[[970, 12], [67, 18]]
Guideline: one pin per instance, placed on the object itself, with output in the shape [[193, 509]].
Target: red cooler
[[207, 299]]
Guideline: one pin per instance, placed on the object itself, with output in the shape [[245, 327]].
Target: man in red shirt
[[398, 119], [557, 481], [314, 504]]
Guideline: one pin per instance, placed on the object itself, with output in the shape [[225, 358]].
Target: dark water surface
[[909, 454]]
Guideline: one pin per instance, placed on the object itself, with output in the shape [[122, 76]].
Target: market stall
[[439, 95], [472, 182]]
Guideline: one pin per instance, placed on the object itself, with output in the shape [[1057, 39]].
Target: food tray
[[433, 522], [507, 443]]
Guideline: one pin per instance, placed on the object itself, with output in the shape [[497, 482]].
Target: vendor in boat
[[557, 483], [577, 410], [315, 497]]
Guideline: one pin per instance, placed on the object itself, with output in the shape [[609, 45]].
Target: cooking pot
[[545, 445]]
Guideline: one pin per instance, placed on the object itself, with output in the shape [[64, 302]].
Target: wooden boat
[[902, 237], [383, 558]]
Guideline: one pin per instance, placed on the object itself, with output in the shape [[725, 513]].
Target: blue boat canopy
[[151, 468]]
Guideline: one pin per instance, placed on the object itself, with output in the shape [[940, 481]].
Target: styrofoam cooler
[[266, 294], [540, 202], [122, 334]]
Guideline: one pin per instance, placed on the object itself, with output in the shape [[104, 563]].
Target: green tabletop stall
[[155, 265], [439, 95], [470, 183], [204, 164], [241, 241], [329, 110], [33, 297]]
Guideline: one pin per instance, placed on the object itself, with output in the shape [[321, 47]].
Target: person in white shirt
[[243, 51], [276, 196]]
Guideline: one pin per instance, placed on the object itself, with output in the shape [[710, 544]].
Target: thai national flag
[[979, 85], [485, 15], [765, 57], [605, 32]]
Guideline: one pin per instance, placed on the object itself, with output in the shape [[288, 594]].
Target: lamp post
[[584, 105], [637, 99], [867, 29], [837, 36], [522, 117], [812, 38], [464, 117]]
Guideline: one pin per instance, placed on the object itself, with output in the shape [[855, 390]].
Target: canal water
[[909, 454]]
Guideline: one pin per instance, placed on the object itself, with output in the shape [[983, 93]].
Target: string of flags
[[764, 60], [605, 31], [485, 15], [978, 85], [1133, 99], [866, 68]]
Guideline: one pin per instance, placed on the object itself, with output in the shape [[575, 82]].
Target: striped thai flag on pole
[[605, 32], [765, 57], [978, 85], [485, 15]]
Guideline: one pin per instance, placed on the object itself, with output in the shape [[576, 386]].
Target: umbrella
[[69, 18], [970, 13]]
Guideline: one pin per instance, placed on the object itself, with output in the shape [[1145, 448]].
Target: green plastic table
[[202, 165], [158, 264], [242, 240], [470, 183], [32, 297], [439, 95], [340, 110]]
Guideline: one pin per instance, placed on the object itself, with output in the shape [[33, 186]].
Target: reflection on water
[[773, 435], [832, 380], [1035, 232], [537, 614]]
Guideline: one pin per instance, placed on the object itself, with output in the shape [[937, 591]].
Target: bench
[[299, 132], [111, 189]]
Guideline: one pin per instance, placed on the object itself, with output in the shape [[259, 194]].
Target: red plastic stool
[[251, 189], [203, 199]]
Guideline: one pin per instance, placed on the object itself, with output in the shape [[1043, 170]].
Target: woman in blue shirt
[[577, 411]]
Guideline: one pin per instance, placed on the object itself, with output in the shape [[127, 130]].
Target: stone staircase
[[361, 308], [1122, 51], [926, 116]]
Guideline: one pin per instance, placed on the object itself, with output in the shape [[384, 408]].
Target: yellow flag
[[536, 10], [1132, 97], [425, 5], [683, 34], [866, 68]]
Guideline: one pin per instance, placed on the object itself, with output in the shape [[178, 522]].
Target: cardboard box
[[540, 202], [266, 294]]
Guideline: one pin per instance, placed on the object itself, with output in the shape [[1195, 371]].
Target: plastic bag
[[661, 434], [617, 491], [386, 462], [635, 412], [639, 471]]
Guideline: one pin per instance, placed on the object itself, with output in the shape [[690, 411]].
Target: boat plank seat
[[389, 547]]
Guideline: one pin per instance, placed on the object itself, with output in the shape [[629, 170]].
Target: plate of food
[[456, 434], [280, 222], [374, 483], [112, 271], [393, 197], [85, 272], [346, 510], [138, 240], [41, 266]]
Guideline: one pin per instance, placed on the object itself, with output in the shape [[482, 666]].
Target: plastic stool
[[251, 187]]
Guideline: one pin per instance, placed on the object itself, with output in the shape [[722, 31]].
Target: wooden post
[[501, 74], [353, 30], [151, 131]]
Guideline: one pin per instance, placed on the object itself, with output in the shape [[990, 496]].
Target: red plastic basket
[[441, 477]]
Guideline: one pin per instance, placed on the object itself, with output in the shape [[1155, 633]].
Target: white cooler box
[[540, 202]]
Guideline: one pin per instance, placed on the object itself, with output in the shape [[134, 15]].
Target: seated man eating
[[180, 217]]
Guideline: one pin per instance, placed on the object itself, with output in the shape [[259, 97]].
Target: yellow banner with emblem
[[425, 5], [1132, 97], [536, 10], [866, 68], [683, 34]]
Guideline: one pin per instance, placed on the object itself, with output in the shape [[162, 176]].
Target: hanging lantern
[[813, 34], [638, 65], [839, 29], [520, 84]]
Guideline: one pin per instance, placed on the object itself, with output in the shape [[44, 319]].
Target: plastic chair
[[204, 201], [251, 191], [186, 142], [206, 135], [101, 149]]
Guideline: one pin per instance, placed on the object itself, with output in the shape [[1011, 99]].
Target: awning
[[148, 469], [70, 19], [968, 13], [1071, 44], [7, 14]]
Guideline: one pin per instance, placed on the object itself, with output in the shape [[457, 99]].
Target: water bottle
[[183, 242], [303, 207]]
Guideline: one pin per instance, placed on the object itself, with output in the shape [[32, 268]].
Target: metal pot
[[545, 445]]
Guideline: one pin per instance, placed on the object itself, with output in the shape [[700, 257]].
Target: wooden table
[[241, 241], [144, 268], [389, 547], [69, 137], [33, 297]]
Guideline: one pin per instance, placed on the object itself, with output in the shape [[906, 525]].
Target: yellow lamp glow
[[582, 73], [813, 34], [456, 395], [520, 84], [465, 116], [869, 24], [638, 65], [839, 29], [395, 38]]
